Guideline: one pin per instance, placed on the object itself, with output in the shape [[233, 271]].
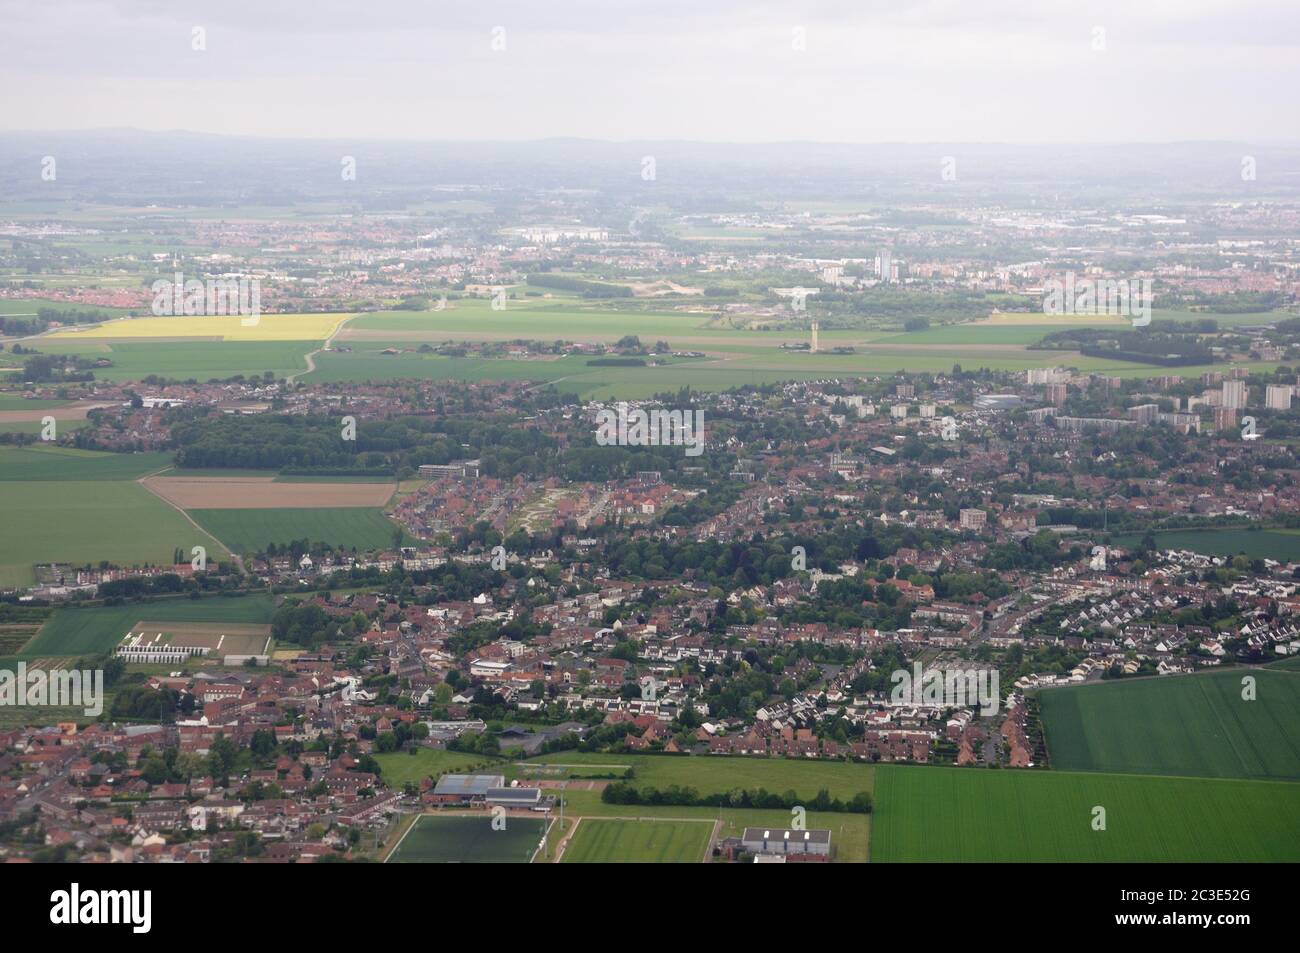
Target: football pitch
[[469, 839], [615, 841], [1204, 725]]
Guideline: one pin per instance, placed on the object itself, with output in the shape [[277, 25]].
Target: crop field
[[268, 327], [638, 842], [265, 492], [59, 464], [87, 631], [251, 530], [936, 815], [220, 638], [469, 839], [1280, 544], [1194, 725], [195, 359], [82, 522]]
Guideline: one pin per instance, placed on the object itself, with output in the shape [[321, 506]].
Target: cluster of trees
[[621, 792], [588, 289], [1166, 343]]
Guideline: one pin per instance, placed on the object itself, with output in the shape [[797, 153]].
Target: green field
[[638, 842], [1195, 725], [464, 839], [400, 767], [196, 359], [712, 775], [82, 522], [1280, 544], [933, 814], [72, 631], [47, 464], [250, 530], [851, 833]]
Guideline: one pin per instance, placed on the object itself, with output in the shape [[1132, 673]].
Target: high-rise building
[[1234, 395], [886, 267], [1057, 394], [1278, 397], [1225, 418], [1144, 413]]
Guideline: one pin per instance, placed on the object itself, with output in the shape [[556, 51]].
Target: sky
[[854, 71]]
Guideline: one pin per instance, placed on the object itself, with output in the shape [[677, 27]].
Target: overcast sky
[[716, 70]]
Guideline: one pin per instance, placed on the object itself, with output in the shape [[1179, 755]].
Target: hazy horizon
[[826, 71]]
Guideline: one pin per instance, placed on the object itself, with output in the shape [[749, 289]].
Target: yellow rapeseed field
[[268, 327]]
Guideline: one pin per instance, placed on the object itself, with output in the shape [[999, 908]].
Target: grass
[[468, 839], [400, 767], [850, 833], [712, 775], [948, 815], [638, 842], [85, 522], [1196, 725], [251, 530], [88, 631], [1282, 545], [61, 464]]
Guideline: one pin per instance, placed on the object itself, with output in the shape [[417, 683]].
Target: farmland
[[638, 842], [194, 359], [468, 839], [1196, 725], [86, 631], [937, 815], [268, 327], [1280, 544], [248, 530], [47, 464], [85, 522], [229, 493]]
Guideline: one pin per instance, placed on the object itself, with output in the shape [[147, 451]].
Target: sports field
[[251, 530], [469, 839], [220, 638], [1194, 725], [934, 814], [611, 841], [710, 775], [70, 632], [265, 327]]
